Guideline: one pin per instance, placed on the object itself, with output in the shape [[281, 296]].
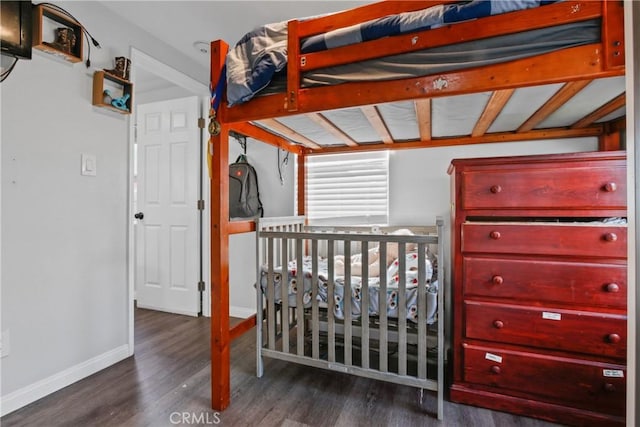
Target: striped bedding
[[392, 295], [261, 53]]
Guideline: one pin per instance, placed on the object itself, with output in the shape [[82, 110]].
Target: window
[[348, 188]]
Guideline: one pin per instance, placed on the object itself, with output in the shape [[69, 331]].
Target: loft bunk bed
[[568, 83]]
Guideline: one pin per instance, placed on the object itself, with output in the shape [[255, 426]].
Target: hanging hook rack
[[242, 140]]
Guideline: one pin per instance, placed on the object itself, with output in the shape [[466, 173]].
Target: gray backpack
[[244, 197]]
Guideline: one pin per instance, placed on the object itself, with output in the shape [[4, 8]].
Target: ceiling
[[182, 24]]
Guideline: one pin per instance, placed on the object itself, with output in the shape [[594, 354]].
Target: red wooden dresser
[[540, 286]]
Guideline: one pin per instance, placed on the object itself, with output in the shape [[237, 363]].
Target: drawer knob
[[495, 369], [610, 187], [495, 235], [497, 280], [499, 324], [495, 189], [610, 237], [609, 387], [613, 287], [613, 338]]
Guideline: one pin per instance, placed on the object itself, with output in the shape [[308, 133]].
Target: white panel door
[[167, 235]]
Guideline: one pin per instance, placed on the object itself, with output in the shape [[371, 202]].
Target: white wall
[[157, 95], [419, 190], [419, 187], [64, 236], [632, 41]]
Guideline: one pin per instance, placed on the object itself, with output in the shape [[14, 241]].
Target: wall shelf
[[117, 86], [47, 38]]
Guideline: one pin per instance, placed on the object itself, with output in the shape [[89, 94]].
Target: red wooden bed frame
[[570, 66]]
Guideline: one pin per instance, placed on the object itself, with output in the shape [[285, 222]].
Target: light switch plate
[[89, 166]]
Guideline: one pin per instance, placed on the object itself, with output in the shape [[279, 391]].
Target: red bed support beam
[[252, 131], [613, 33], [220, 336]]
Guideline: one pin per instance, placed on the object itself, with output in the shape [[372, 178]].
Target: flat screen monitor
[[16, 28]]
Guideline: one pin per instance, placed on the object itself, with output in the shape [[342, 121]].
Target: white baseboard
[[42, 388], [241, 312], [151, 307]]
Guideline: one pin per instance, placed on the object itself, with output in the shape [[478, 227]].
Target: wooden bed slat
[[608, 108], [375, 119], [566, 92], [496, 103], [289, 133], [423, 116], [321, 120]]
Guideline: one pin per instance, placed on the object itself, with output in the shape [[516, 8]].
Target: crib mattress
[[391, 298]]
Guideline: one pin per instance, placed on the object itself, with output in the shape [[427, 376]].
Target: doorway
[[185, 245]]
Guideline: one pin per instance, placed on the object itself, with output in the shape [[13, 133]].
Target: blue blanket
[[261, 53]]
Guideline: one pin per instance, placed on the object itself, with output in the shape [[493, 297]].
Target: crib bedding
[[392, 295], [260, 54]]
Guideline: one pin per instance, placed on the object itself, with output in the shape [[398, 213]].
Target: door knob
[[139, 215]]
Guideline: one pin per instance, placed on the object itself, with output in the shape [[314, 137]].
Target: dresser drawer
[[545, 239], [579, 331], [570, 187], [573, 382], [545, 280]]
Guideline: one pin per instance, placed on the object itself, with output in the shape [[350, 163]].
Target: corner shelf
[[46, 19], [125, 86]]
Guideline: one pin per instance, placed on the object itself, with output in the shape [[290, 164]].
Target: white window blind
[[350, 188]]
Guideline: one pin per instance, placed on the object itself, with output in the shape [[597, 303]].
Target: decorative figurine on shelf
[[107, 97], [123, 65], [121, 103], [65, 40]]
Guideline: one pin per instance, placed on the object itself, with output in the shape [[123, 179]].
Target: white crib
[[399, 338]]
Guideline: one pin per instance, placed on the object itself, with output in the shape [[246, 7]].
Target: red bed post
[[220, 339]]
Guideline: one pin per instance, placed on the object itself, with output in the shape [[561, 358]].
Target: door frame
[[140, 59]]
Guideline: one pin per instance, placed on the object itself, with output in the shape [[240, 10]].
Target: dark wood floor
[[167, 382]]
